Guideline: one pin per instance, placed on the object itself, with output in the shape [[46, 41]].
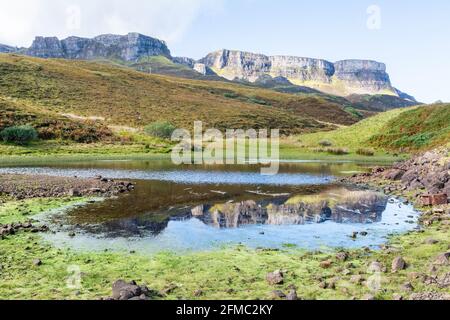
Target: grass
[[353, 137], [417, 129], [229, 273]]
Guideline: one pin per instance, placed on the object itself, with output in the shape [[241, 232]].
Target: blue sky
[[413, 37]]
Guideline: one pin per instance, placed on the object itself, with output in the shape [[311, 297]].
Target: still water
[[194, 208]]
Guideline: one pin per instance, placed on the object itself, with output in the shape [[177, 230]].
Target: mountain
[[7, 49], [341, 78], [281, 73], [122, 96], [130, 47], [379, 102]]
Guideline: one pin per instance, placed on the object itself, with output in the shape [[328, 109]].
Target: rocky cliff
[[129, 48], [342, 77], [7, 49]]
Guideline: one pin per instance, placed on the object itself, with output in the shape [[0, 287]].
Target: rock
[[342, 256], [326, 264], [394, 174], [124, 291], [368, 297], [398, 264], [397, 297], [376, 266], [37, 262], [275, 278], [357, 279], [443, 259], [131, 47], [430, 296], [277, 294], [368, 76], [198, 293], [408, 287], [292, 295], [431, 241]]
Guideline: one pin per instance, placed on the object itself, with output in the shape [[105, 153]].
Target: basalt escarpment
[[341, 78], [129, 48]]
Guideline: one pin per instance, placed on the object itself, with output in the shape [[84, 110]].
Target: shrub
[[230, 95], [338, 151], [21, 135], [365, 152], [325, 143], [160, 130]]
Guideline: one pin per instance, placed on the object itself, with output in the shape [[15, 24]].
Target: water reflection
[[339, 205]]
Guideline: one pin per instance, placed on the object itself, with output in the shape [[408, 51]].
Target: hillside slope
[[125, 97], [417, 129], [409, 129]]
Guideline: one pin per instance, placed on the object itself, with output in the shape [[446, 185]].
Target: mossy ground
[[229, 273]]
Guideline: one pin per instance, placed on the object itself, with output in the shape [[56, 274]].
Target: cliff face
[[343, 77], [7, 49], [130, 47]]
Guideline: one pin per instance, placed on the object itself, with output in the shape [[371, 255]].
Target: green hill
[[409, 129], [417, 129], [122, 96]]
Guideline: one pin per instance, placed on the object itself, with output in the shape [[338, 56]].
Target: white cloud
[[22, 20]]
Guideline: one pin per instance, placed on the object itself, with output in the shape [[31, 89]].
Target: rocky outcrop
[[426, 175], [129, 48], [343, 77]]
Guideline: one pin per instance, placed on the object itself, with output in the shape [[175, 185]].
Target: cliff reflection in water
[[337, 205]]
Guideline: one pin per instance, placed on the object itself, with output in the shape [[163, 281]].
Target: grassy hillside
[[355, 136], [51, 126], [417, 129], [410, 129], [126, 97]]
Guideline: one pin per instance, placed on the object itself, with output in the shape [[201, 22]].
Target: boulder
[[275, 278], [443, 259], [398, 264], [125, 291]]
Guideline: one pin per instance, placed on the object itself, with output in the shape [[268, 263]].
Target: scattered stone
[[408, 287], [364, 233], [357, 279], [431, 241], [397, 297], [443, 259], [376, 266], [326, 264], [398, 264], [292, 295], [37, 262], [277, 294], [275, 278], [198, 293], [342, 256], [368, 297], [430, 296], [121, 290]]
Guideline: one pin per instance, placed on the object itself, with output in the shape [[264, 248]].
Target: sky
[[411, 37]]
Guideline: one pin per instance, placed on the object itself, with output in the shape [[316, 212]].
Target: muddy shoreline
[[19, 187]]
